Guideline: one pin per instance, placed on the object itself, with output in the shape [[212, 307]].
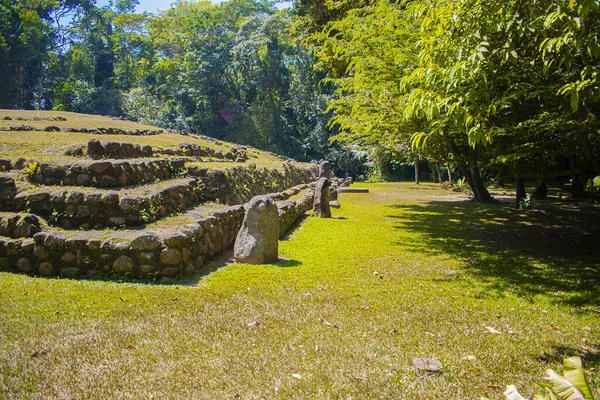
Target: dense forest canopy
[[490, 89]]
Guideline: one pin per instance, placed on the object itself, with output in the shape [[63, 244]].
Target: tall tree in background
[[484, 79]]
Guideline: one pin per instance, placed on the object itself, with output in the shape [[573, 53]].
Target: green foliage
[[526, 203], [30, 169], [480, 84], [573, 385]]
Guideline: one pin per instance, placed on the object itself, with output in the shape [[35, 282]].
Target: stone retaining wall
[[19, 225], [72, 209], [107, 173], [174, 254], [94, 131]]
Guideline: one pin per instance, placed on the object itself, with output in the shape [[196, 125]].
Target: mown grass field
[[497, 295]]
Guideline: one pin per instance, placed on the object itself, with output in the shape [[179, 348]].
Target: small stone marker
[[325, 170], [347, 182], [321, 201], [430, 365], [258, 239]]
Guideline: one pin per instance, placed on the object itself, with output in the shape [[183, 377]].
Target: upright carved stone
[[258, 239], [321, 202], [325, 170]]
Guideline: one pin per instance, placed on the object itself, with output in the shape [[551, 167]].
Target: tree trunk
[[520, 189], [417, 170], [449, 173], [436, 173], [541, 191], [482, 193], [469, 179]]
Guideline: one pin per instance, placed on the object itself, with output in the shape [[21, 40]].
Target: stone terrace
[[85, 195]]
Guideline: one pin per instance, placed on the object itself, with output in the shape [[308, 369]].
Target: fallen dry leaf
[[39, 353], [297, 376], [327, 323], [469, 358], [492, 330], [254, 323], [555, 327], [130, 346], [393, 331], [549, 340], [358, 378]]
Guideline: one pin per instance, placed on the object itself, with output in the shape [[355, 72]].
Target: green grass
[[51, 146], [399, 273]]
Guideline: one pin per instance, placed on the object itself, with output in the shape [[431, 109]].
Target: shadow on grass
[[556, 354], [552, 251]]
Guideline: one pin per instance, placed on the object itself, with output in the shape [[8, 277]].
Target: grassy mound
[[46, 146], [497, 295]]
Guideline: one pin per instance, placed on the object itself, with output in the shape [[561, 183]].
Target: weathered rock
[[95, 149], [27, 245], [5, 164], [55, 241], [20, 163], [146, 242], [28, 226], [8, 188], [258, 239], [70, 272], [41, 252], [170, 256], [147, 257], [68, 258], [123, 264], [52, 128], [325, 170], [122, 246], [147, 269], [83, 179], [24, 265], [321, 200], [46, 269], [189, 269], [40, 237], [99, 167], [110, 197], [129, 204], [427, 364], [174, 239]]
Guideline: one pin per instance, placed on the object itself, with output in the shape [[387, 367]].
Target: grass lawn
[[497, 295]]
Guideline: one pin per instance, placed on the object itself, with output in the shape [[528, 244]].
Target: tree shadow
[[551, 251]]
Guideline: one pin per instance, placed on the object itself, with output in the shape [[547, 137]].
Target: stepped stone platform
[[146, 203]]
